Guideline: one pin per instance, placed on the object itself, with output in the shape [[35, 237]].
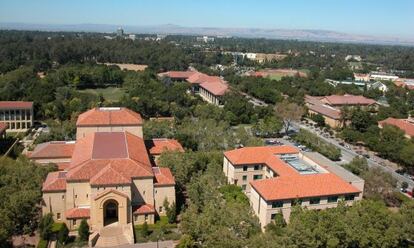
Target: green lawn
[[276, 77], [112, 94]]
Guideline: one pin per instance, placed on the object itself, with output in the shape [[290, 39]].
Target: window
[[257, 167], [315, 200], [58, 216], [245, 168], [277, 204], [74, 222], [146, 217], [160, 209], [143, 192], [349, 197], [243, 187], [63, 197], [257, 177], [273, 216], [156, 191], [332, 199], [244, 178], [76, 196], [87, 195]]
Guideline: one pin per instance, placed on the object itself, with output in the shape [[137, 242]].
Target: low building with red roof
[[159, 145], [18, 115], [275, 178], [406, 125], [107, 174], [58, 152], [109, 119], [330, 106]]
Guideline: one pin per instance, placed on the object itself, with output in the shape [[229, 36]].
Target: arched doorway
[[110, 212]]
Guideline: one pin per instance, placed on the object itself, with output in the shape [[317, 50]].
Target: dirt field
[[129, 67]]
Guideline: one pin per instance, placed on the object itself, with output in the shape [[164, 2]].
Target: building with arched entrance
[[109, 177]]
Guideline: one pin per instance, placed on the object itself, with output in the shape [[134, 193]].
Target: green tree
[[186, 241], [83, 230], [171, 210], [289, 112], [63, 234], [145, 229], [45, 226]]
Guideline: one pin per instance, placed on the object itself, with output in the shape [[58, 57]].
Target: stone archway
[[111, 212]]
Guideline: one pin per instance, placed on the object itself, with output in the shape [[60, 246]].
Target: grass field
[[112, 94]]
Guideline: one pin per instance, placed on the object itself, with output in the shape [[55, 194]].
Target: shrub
[[45, 226], [83, 230], [63, 234]]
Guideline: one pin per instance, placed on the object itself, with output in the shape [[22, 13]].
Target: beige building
[[277, 178], [109, 119], [106, 176], [330, 106], [17, 114]]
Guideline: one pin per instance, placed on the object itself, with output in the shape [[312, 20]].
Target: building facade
[[17, 114], [330, 107], [106, 176], [277, 178]]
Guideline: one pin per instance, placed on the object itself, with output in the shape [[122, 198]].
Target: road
[[348, 155]]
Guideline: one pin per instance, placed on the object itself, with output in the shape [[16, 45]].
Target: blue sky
[[381, 17]]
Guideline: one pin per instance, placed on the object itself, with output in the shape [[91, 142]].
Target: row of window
[[312, 201], [255, 177], [256, 167]]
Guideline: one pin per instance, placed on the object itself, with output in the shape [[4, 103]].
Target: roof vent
[[110, 108]]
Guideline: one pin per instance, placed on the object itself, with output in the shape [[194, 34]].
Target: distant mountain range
[[294, 34]]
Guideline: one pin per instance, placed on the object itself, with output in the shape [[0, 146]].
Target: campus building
[[279, 177], [210, 88], [330, 106], [107, 175], [406, 125], [18, 115]]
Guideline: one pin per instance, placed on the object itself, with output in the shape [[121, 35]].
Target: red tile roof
[[258, 154], [130, 159], [3, 127], [55, 181], [78, 213], [288, 183], [144, 209], [326, 110], [15, 105], [403, 124], [347, 100], [163, 176], [283, 188], [215, 88], [198, 78], [53, 149], [63, 166], [157, 146], [109, 117]]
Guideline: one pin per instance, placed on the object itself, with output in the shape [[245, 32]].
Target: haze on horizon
[[377, 18]]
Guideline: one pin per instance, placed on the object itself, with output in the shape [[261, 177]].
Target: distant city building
[[353, 57], [368, 84], [375, 75], [132, 36], [276, 178], [405, 82], [205, 39], [18, 115], [406, 125], [330, 106], [361, 77], [120, 32]]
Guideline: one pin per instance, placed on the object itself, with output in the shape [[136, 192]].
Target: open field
[[112, 94], [277, 74], [129, 67]]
